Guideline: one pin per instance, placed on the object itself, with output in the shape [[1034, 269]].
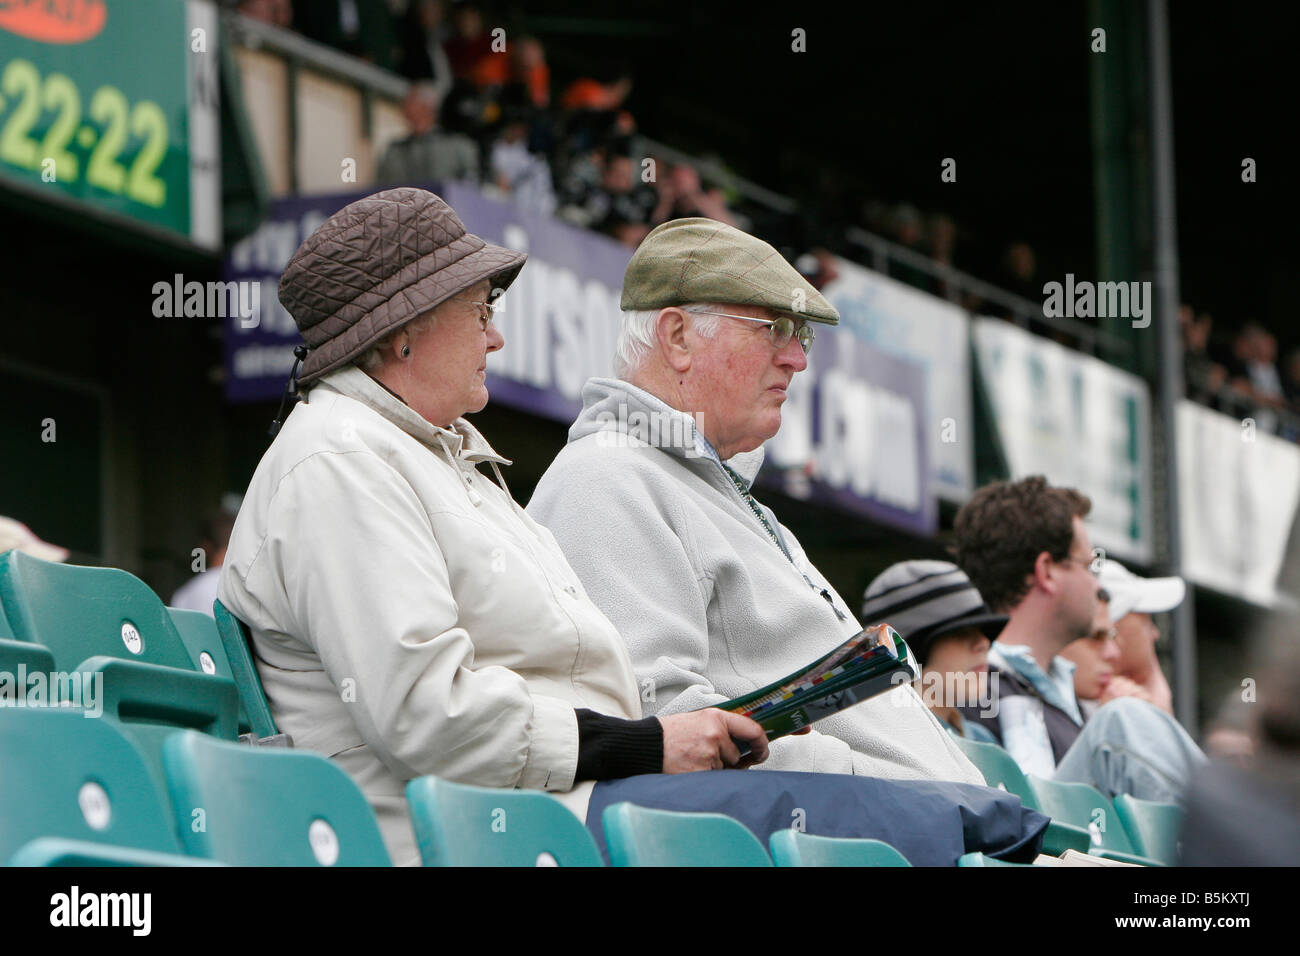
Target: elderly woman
[[408, 617]]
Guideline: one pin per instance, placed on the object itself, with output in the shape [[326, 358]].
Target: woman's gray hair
[[639, 334], [373, 357]]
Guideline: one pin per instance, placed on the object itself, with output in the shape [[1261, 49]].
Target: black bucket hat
[[924, 600]]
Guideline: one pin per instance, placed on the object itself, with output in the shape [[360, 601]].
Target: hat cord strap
[[290, 388]]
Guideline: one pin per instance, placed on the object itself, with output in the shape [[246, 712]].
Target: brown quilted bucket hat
[[378, 263]]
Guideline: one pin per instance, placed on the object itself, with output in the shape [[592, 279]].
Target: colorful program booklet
[[868, 663]]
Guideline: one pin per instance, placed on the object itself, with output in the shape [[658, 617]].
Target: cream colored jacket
[[408, 617]]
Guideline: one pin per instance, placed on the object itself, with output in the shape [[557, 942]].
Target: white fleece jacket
[[709, 605], [408, 617]]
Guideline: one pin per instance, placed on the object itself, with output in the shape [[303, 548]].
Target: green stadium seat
[[234, 638], [107, 621], [638, 836], [266, 806], [6, 632], [1000, 770], [51, 851], [1152, 828], [81, 790], [1084, 806], [792, 848], [980, 859], [33, 656], [459, 825], [207, 652], [80, 612]]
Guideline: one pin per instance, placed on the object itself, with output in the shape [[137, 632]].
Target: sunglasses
[[780, 331]]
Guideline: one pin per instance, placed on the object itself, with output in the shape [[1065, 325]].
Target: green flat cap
[[703, 260]]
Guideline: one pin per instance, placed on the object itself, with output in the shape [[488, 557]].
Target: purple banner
[[853, 434]]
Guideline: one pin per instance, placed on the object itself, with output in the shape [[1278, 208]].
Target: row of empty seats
[[161, 777], [77, 792]]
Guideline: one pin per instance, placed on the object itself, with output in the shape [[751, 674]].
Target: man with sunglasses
[[1026, 549], [651, 502]]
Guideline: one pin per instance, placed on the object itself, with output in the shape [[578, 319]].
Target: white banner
[[904, 322], [1238, 490], [1082, 423]]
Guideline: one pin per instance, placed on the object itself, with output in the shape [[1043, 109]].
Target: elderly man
[[651, 502]]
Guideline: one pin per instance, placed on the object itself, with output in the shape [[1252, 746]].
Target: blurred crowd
[[1239, 373], [481, 109]]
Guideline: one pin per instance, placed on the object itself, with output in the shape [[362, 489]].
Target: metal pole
[[1169, 344]]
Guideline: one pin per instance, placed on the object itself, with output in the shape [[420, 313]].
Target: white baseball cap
[[1129, 592]]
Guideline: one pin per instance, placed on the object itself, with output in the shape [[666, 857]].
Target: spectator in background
[[363, 28], [469, 49], [521, 174], [624, 205], [818, 267], [429, 153], [943, 249], [527, 64], [1095, 658], [682, 196], [1231, 735], [200, 591], [1253, 374], [14, 535], [594, 113], [1133, 600], [1020, 272], [1203, 376], [276, 12], [1026, 549], [909, 232], [1291, 378], [424, 29], [581, 186], [949, 629], [1249, 814]]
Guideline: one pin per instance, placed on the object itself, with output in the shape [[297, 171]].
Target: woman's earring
[[406, 351]]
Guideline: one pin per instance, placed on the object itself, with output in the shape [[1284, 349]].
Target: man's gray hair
[[639, 334]]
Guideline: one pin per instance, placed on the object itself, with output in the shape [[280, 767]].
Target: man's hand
[[706, 740], [1120, 686]]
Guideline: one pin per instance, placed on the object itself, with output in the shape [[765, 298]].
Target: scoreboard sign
[[112, 105]]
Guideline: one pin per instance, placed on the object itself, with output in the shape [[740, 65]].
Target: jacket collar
[[461, 441], [1056, 685], [609, 404]]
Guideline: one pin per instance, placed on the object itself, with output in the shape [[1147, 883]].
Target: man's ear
[[670, 328], [1045, 572]]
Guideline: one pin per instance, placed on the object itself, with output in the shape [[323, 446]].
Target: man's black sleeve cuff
[[611, 747]]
